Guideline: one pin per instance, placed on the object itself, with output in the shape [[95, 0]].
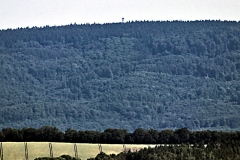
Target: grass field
[[16, 150]]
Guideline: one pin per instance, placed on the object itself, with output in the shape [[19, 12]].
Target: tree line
[[62, 157], [117, 136]]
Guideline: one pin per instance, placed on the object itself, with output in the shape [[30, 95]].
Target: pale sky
[[28, 13]]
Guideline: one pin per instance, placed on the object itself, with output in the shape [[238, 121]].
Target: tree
[[13, 135], [139, 135], [29, 134], [48, 133], [115, 136], [71, 135], [166, 136], [182, 135], [154, 136]]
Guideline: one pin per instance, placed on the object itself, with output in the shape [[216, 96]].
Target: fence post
[[124, 148], [26, 150], [51, 150], [75, 150], [1, 151], [100, 148]]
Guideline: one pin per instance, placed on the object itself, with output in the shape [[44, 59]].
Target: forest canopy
[[142, 74]]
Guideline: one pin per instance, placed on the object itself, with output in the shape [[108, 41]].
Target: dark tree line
[[62, 157], [117, 136]]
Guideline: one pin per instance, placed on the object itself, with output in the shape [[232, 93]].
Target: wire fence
[[50, 149]]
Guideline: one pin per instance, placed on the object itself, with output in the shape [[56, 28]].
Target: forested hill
[[122, 75]]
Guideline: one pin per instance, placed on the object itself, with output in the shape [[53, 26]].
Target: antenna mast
[[123, 20]]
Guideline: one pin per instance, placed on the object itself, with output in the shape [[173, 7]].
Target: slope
[[122, 75]]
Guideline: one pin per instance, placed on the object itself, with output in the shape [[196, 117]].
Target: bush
[[62, 157]]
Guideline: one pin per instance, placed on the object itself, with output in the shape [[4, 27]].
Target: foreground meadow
[[16, 150]]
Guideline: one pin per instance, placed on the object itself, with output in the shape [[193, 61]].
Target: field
[[16, 150]]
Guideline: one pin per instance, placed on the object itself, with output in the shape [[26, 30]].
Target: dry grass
[[16, 150]]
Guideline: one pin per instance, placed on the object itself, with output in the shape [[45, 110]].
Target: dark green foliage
[[49, 158], [62, 157], [48, 133], [10, 134], [67, 157], [212, 151], [118, 136], [29, 134], [102, 156], [122, 75]]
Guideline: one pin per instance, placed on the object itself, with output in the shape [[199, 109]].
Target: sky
[[29, 13]]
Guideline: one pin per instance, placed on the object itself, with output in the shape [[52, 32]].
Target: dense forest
[[118, 136], [141, 74]]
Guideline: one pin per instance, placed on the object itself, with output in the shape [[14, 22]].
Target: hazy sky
[[23, 13]]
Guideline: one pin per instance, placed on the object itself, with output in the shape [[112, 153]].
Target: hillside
[[122, 75]]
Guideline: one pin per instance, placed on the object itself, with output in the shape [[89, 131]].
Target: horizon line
[[120, 22]]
